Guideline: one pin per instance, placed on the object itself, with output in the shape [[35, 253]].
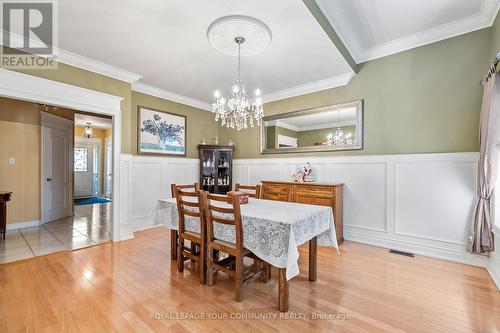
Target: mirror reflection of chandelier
[[339, 138], [88, 131], [238, 111]]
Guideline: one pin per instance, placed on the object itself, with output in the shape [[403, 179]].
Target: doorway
[[34, 89], [93, 156]]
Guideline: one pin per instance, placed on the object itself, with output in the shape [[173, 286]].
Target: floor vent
[[402, 253]]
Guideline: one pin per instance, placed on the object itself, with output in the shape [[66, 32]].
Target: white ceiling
[[166, 43], [325, 119], [100, 123], [375, 28]]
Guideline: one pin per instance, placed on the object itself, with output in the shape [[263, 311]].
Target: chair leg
[[210, 271], [203, 264], [268, 271], [193, 250], [239, 278], [263, 272], [173, 244], [180, 257]]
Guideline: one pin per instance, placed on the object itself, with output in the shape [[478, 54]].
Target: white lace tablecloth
[[272, 230]]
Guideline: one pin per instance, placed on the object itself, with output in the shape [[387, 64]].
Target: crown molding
[[483, 19], [95, 66], [307, 88], [171, 96], [82, 62]]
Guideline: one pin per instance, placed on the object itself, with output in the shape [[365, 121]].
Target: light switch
[[12, 160]]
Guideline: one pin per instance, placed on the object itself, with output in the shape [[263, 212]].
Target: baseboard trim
[[142, 223], [22, 225], [494, 273], [459, 257]]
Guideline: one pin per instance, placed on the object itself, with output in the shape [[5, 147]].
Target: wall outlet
[[12, 160]]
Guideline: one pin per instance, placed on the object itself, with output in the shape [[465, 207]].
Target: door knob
[[49, 179]]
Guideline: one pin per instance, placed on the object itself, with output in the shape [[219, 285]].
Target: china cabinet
[[216, 168]]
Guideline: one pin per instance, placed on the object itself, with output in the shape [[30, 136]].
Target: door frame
[[96, 142], [105, 173], [48, 120], [35, 89]]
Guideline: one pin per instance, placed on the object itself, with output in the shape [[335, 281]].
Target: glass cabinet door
[[208, 168], [224, 172]]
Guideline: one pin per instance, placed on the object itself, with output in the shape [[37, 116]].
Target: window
[[81, 159]]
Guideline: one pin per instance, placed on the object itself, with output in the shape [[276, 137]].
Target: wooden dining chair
[[174, 239], [233, 264], [253, 191], [192, 208]]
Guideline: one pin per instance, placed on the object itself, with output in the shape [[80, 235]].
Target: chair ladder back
[[175, 187], [236, 220], [255, 189]]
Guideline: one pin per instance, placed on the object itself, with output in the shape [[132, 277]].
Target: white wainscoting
[[494, 262], [420, 203], [150, 179]]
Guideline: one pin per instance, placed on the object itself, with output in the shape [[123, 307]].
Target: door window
[[81, 159]]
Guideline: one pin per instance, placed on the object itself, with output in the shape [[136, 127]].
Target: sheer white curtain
[[481, 237]]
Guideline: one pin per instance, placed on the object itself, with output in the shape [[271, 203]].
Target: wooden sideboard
[[309, 193]]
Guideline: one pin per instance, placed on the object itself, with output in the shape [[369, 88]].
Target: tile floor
[[89, 226]]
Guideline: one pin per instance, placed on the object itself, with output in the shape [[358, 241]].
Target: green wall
[[200, 123], [425, 100]]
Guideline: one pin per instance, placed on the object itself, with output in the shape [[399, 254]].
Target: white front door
[[108, 167], [56, 145], [84, 179]]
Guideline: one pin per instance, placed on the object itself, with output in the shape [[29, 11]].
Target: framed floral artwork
[[160, 133]]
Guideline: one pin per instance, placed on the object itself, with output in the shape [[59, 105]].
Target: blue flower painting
[[161, 133]]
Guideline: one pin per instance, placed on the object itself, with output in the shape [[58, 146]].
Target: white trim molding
[[169, 95], [420, 203], [34, 89], [362, 53], [22, 225], [493, 266], [307, 88], [149, 179], [75, 60]]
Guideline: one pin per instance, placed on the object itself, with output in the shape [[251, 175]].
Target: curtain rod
[[493, 69]]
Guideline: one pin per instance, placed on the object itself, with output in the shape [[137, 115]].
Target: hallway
[[89, 226]]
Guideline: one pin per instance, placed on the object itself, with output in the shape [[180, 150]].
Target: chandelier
[[88, 131], [238, 111]]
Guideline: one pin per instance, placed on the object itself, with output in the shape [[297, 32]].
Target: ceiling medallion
[[227, 35]]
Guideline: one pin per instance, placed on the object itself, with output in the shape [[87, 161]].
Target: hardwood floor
[[133, 286]]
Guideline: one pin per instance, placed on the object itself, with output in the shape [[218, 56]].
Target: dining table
[[272, 230]]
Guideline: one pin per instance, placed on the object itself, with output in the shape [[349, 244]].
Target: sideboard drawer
[[316, 191], [277, 192]]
